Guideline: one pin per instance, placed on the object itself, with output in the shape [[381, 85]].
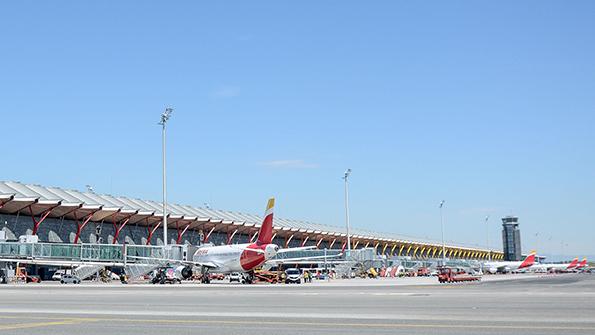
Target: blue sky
[[488, 105]]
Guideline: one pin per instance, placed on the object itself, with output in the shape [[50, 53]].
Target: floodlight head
[[166, 115], [441, 203], [89, 188], [347, 173]]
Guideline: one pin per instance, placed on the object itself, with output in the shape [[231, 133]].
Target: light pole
[[442, 226], [488, 238], [346, 177], [164, 117], [537, 245]]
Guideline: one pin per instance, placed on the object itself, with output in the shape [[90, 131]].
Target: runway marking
[[38, 324], [340, 324], [73, 321]]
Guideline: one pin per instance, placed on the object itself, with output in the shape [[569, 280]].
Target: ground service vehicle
[[236, 276], [293, 276], [59, 273], [166, 275], [423, 272], [447, 275], [70, 279], [23, 275], [271, 277]]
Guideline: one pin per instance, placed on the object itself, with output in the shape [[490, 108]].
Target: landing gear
[[249, 277], [204, 278]]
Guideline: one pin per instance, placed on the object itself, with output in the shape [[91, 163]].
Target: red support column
[[36, 223], [152, 230], [119, 229], [288, 240], [304, 240], [332, 243], [230, 236], [182, 232], [80, 226], [319, 241], [254, 235], [206, 239], [343, 246]]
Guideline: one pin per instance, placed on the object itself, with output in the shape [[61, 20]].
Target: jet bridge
[[135, 259]]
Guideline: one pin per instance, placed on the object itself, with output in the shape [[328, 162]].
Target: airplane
[[242, 258], [494, 267], [559, 267], [582, 265]]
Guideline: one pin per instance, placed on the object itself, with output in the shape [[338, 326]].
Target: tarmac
[[518, 304]]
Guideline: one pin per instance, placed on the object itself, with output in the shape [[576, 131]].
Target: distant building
[[511, 238]]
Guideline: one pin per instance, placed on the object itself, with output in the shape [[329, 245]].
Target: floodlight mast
[[488, 238], [164, 118], [442, 226], [346, 177]]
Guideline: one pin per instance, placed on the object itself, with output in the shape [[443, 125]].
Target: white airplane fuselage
[[494, 267], [236, 257], [563, 267]]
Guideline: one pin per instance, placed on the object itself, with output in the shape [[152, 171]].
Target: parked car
[[70, 279], [59, 273], [293, 276], [236, 277]]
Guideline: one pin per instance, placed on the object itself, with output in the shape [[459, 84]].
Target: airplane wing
[[210, 265], [300, 259], [295, 249], [280, 251]]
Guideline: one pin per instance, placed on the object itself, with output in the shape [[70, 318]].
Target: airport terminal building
[[58, 215]]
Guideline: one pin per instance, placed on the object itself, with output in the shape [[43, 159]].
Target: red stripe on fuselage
[[250, 259]]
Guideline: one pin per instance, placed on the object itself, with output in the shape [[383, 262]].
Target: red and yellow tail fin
[[528, 261], [582, 264], [265, 235], [572, 264]]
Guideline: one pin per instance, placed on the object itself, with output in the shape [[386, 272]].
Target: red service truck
[[447, 275]]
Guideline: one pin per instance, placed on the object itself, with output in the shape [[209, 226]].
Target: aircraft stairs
[[139, 269], [86, 271], [344, 269]]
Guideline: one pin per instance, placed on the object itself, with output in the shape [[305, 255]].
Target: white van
[[57, 276]]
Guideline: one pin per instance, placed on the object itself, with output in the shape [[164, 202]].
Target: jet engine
[[271, 251], [184, 272]]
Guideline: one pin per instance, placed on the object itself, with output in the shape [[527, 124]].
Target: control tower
[[511, 238]]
